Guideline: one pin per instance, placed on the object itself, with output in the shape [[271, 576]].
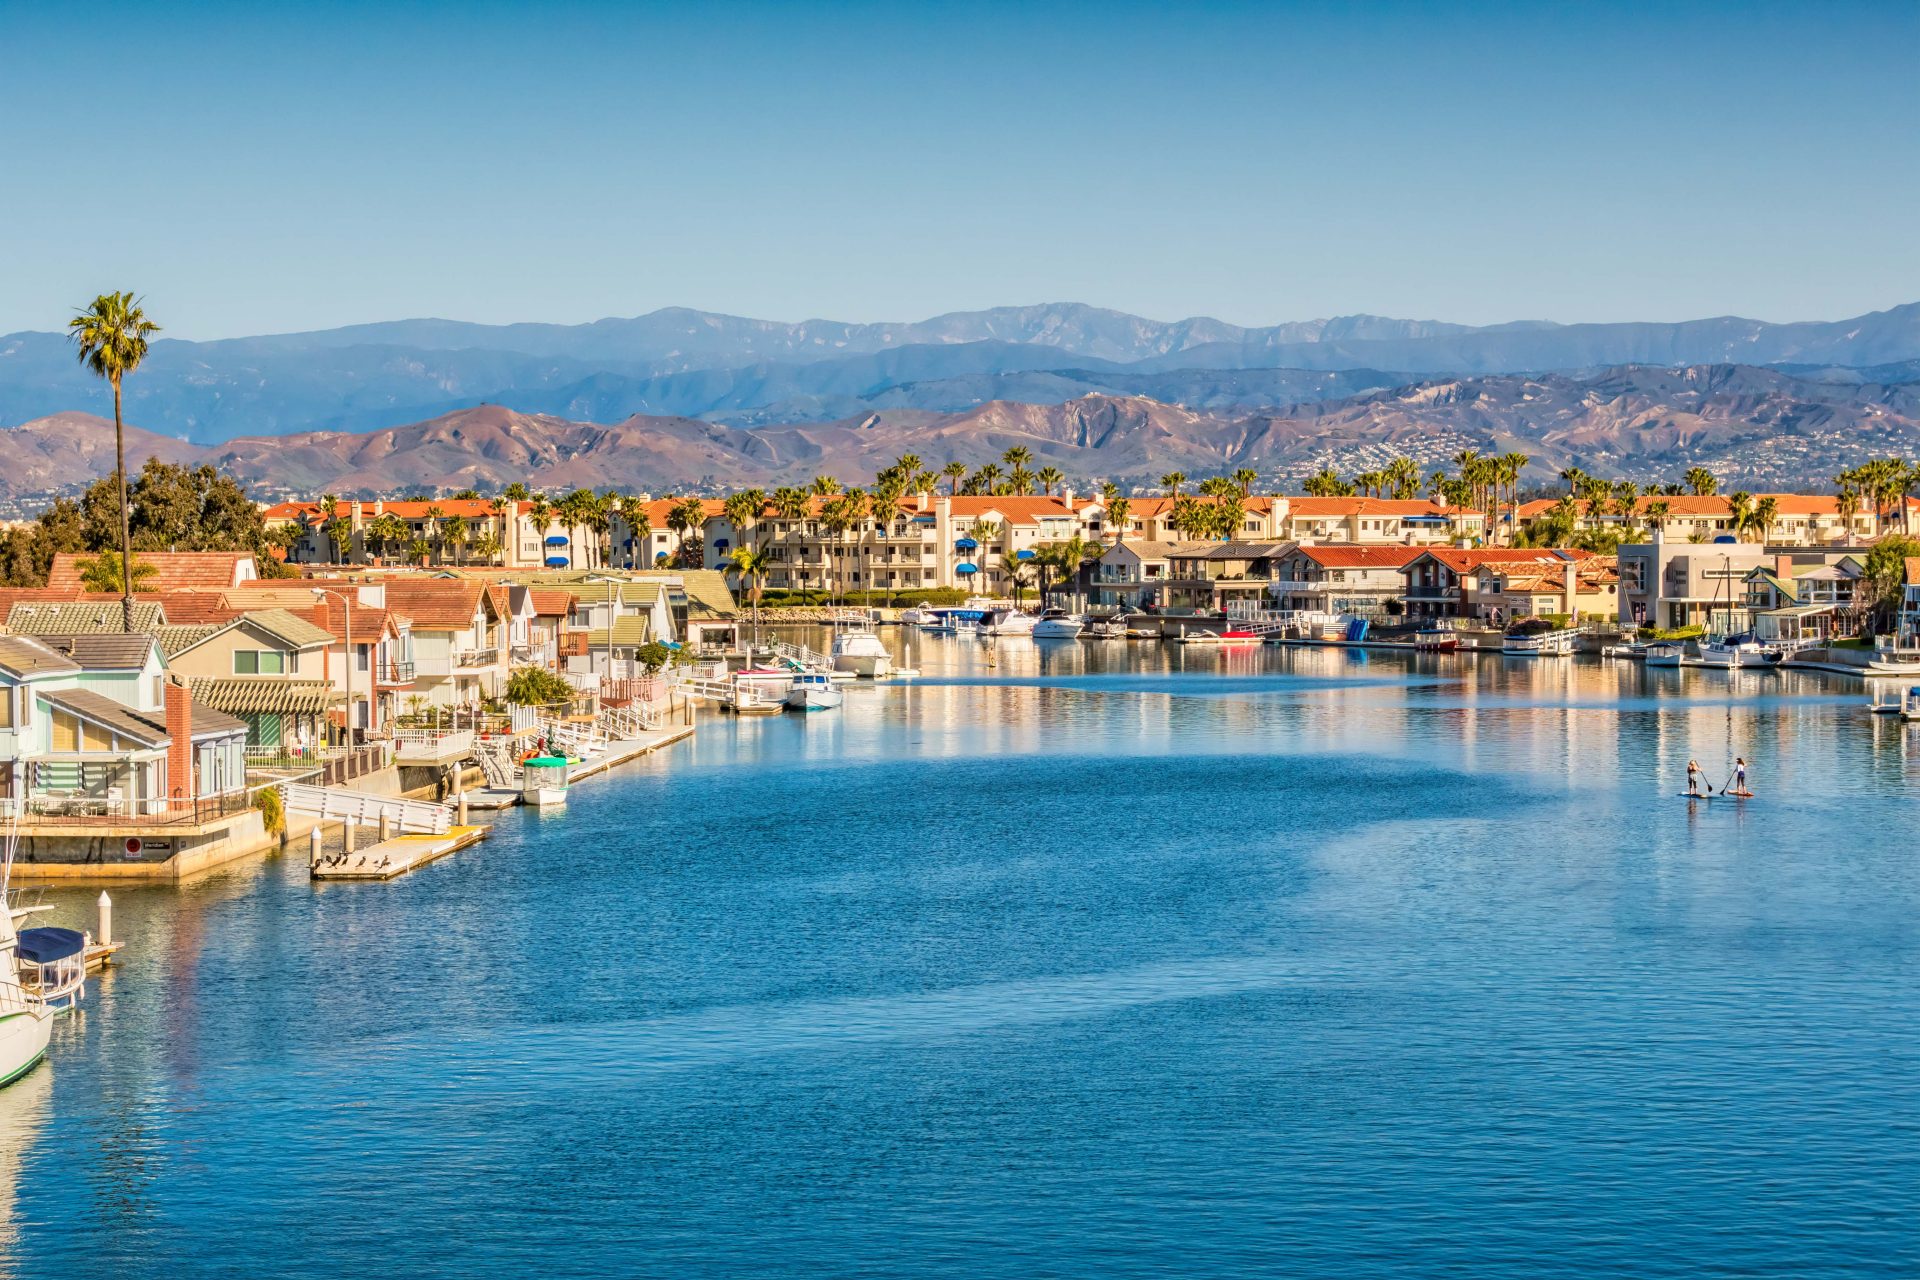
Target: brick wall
[[179, 706]]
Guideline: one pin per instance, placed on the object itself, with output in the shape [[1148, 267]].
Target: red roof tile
[[172, 570]]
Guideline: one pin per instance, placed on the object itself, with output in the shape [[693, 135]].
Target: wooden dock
[[395, 857]]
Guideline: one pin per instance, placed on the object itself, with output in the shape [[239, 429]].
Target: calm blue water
[[1097, 960]]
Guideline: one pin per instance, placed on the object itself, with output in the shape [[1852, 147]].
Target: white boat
[[543, 780], [1666, 653], [920, 616], [1057, 624], [1008, 622], [861, 652], [25, 1020], [813, 691], [1437, 636], [52, 965], [1730, 653], [1539, 642]]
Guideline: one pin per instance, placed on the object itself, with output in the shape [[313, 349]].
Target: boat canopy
[[46, 945], [544, 762]]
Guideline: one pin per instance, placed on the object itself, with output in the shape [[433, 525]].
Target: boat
[[813, 691], [543, 780], [1229, 636], [26, 1023], [1111, 629], [1730, 653], [860, 651], [1007, 622], [1437, 636], [1910, 704], [919, 616], [52, 966], [1538, 638], [1666, 653], [1057, 624]]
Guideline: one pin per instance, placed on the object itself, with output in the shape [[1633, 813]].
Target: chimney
[[179, 720], [1066, 496], [922, 500], [1573, 591]]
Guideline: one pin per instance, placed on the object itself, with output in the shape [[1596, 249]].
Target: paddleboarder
[[1738, 786], [1694, 779]]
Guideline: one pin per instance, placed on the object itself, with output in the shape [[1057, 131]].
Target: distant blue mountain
[[678, 362]]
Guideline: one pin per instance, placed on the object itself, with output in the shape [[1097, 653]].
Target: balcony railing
[[54, 809], [470, 658], [393, 673]]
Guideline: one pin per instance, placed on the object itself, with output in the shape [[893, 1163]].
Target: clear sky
[[259, 168]]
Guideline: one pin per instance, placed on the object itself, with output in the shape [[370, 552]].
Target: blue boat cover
[[45, 945]]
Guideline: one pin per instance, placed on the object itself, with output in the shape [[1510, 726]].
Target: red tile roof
[[1372, 507], [442, 604], [551, 603], [172, 570], [1339, 556], [1462, 560], [192, 608]]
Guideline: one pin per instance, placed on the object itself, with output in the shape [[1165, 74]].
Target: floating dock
[[395, 857]]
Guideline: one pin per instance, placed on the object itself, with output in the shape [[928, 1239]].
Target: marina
[[1352, 959]]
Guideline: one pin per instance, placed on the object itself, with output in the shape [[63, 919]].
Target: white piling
[[347, 832], [460, 809], [104, 936], [386, 826], [313, 846]]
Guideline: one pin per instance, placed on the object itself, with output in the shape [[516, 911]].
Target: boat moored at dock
[[1666, 653], [860, 651], [1057, 624], [1538, 638], [544, 780], [1731, 653], [813, 691]]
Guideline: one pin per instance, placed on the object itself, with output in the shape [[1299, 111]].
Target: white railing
[[432, 744], [810, 659], [420, 817]]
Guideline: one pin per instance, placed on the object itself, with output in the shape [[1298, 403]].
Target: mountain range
[[1755, 427], [752, 373]]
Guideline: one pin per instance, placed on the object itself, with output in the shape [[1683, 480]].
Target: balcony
[[396, 675], [473, 659]]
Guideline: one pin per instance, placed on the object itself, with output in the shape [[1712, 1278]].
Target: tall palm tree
[[1700, 482], [1739, 511], [1246, 476], [1765, 512], [540, 511], [1119, 511], [1017, 457], [955, 472], [329, 513], [688, 516], [1047, 478], [112, 339], [102, 573], [456, 534], [639, 525], [825, 486], [1172, 482], [434, 516]]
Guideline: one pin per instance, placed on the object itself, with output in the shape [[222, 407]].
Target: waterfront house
[[1213, 577], [1339, 579], [1132, 573], [1672, 585], [267, 669], [1799, 519], [1441, 582], [1150, 519], [93, 724], [46, 618], [1502, 590], [459, 642]]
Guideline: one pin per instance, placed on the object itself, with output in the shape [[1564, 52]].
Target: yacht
[[1008, 622], [1057, 624], [859, 651], [813, 691]]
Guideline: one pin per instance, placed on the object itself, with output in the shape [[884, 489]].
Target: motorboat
[[813, 691], [1229, 636], [1057, 624], [543, 780], [1111, 629], [1730, 653], [1538, 638], [1008, 622], [1437, 636], [860, 651], [1666, 653], [919, 616]]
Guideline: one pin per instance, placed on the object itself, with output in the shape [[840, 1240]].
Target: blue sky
[[253, 171]]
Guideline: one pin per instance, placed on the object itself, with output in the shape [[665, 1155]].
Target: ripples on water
[[1065, 960]]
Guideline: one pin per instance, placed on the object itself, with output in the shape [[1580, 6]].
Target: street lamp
[[346, 612]]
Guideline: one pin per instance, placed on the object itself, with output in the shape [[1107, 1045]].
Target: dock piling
[[386, 827], [104, 937], [347, 833], [313, 846]]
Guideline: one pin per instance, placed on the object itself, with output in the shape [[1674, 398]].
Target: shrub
[[272, 817], [536, 687]]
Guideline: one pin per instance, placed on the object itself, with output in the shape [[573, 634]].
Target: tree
[[516, 492], [955, 472], [1048, 477], [639, 526], [111, 336], [1886, 574], [1017, 457], [1245, 477], [1765, 512], [824, 486], [540, 511], [1701, 483], [1119, 511], [102, 573], [742, 510], [753, 565], [1013, 566], [687, 518], [1739, 511], [537, 687], [1325, 484], [457, 534], [1172, 482]]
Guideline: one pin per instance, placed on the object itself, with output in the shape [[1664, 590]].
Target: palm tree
[[741, 510], [639, 526], [753, 565], [1017, 457], [330, 513], [434, 515], [1701, 483], [515, 492], [685, 517], [102, 573], [456, 535], [825, 486], [1764, 513], [1013, 566], [540, 511], [1325, 484], [112, 339], [1048, 477], [1246, 476], [985, 478], [487, 546], [420, 551], [1172, 482], [1118, 512], [907, 467], [955, 472], [1739, 511]]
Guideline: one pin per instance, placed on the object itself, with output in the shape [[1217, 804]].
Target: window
[[6, 708], [258, 662]]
